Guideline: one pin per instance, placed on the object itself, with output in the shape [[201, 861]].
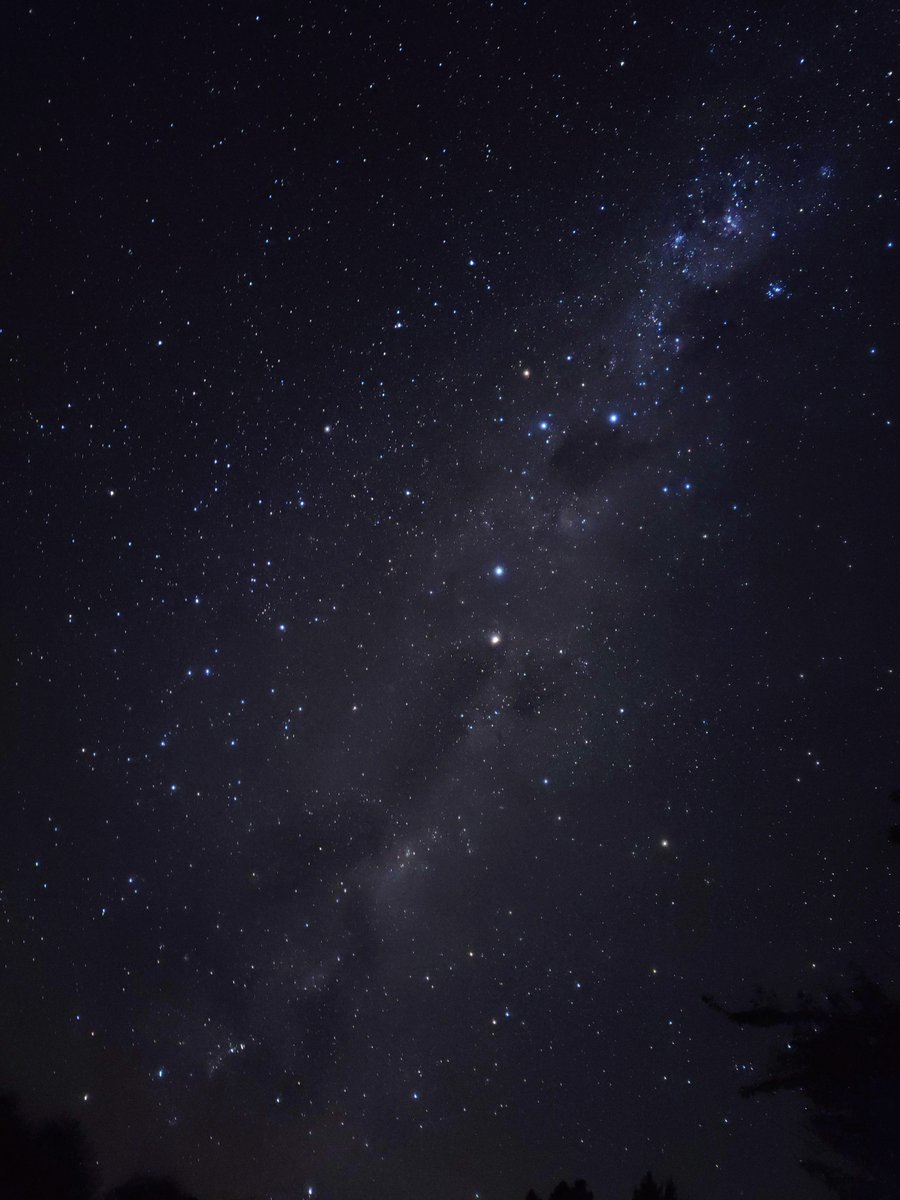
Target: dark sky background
[[449, 514]]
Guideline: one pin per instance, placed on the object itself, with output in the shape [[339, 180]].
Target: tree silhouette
[[52, 1161], [44, 1162], [562, 1191], [63, 1160], [16, 1150], [649, 1189], [843, 1058]]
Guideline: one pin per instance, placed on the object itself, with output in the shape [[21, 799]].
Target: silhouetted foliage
[[15, 1149], [43, 1162], [844, 1059], [649, 1189], [562, 1191], [148, 1187], [64, 1166], [52, 1161]]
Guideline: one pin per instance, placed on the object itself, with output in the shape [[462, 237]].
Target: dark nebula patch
[[588, 457]]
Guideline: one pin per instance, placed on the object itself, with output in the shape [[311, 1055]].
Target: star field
[[449, 515]]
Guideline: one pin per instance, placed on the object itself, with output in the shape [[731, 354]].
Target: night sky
[[449, 508]]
